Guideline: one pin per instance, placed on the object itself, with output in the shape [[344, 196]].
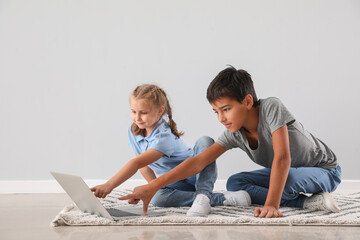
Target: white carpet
[[349, 215]]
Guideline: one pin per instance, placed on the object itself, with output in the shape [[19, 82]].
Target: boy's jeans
[[300, 180], [183, 193]]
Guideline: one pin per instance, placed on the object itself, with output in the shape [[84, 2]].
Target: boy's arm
[[187, 168], [279, 173], [129, 169], [147, 173]]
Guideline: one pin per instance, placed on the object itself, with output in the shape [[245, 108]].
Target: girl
[[159, 149]]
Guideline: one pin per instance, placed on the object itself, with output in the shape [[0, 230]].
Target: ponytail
[[171, 122]]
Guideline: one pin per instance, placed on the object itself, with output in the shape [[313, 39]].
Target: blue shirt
[[163, 140]]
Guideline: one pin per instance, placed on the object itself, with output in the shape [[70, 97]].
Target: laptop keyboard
[[118, 213]]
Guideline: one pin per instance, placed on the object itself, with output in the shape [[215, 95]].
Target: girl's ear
[[161, 110], [249, 101]]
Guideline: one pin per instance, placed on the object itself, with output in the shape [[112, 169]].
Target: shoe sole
[[330, 202], [197, 214]]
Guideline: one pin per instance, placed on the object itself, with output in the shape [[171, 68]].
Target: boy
[[295, 161]]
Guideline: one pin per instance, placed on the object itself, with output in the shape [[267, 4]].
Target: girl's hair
[[157, 97]]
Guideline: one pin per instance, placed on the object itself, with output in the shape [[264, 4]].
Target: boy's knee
[[235, 182]]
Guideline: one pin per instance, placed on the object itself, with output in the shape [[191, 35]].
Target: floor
[[27, 216]]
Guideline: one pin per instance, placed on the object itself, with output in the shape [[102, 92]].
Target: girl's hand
[[267, 212], [101, 191], [144, 193]]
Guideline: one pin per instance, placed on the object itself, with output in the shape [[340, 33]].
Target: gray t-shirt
[[305, 149]]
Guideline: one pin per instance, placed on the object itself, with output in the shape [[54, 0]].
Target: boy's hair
[[232, 83], [157, 97]]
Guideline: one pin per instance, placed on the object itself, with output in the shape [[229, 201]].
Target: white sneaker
[[321, 201], [200, 207], [238, 198]]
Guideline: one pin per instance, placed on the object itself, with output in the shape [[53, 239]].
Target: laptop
[[86, 201]]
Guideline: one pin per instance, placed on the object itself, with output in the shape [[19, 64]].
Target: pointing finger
[[126, 197], [145, 208]]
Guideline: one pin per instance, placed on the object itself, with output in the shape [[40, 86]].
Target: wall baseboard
[[51, 186]]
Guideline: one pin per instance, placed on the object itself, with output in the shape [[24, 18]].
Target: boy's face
[[231, 113]]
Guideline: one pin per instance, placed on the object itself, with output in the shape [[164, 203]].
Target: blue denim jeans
[[183, 193], [300, 180]]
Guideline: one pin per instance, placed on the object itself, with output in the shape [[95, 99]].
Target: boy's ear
[[249, 101]]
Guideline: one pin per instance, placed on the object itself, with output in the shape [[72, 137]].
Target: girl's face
[[144, 114]]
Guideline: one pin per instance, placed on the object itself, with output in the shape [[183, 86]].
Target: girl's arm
[[148, 174], [279, 173], [187, 168], [127, 171]]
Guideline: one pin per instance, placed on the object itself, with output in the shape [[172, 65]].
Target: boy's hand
[[144, 193], [101, 191], [267, 212]]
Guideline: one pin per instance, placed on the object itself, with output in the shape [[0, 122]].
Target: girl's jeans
[[183, 193], [300, 180]]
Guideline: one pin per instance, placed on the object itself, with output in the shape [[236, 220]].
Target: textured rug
[[224, 215]]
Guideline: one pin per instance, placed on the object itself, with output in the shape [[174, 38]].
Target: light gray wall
[[67, 69]]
